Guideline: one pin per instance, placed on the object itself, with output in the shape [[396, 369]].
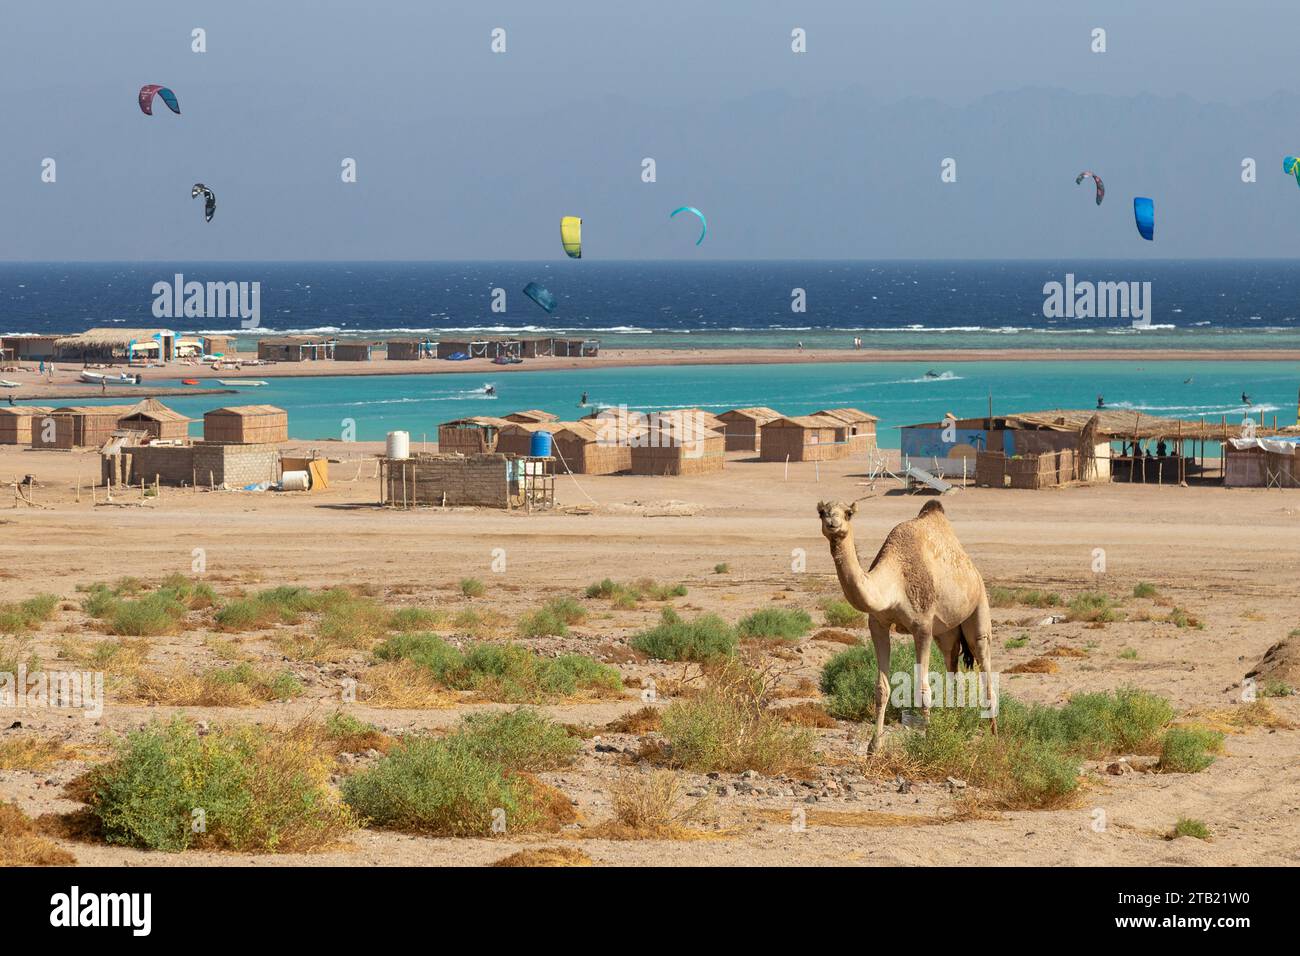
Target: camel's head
[[835, 517]]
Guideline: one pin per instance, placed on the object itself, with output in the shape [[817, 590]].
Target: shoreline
[[64, 382]]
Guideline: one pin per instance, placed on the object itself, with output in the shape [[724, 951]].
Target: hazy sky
[[463, 153]]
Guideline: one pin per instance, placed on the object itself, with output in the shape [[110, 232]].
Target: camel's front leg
[[880, 640], [922, 637]]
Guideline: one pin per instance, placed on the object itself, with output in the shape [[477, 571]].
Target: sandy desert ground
[[1228, 558]]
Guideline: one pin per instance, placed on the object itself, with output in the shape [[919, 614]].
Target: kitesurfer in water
[[584, 399], [1101, 401]]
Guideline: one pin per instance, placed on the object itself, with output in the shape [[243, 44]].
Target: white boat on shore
[[237, 382], [99, 378], [5, 383]]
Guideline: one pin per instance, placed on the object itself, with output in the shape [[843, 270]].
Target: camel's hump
[[930, 507]]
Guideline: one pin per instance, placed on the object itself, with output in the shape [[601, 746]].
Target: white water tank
[[295, 481], [399, 445]]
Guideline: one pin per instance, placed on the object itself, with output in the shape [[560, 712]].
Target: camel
[[921, 582]]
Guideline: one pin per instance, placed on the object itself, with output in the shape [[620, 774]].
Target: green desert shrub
[[282, 605], [1189, 827], [258, 791], [848, 680], [472, 587], [454, 786], [728, 727], [840, 613], [788, 624], [414, 619], [504, 672], [1189, 749], [1094, 606], [707, 638], [1144, 590], [22, 616], [553, 618], [1028, 597], [519, 739]]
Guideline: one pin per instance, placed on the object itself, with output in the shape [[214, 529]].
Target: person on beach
[[800, 346]]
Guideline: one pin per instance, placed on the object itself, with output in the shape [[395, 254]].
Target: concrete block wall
[[236, 465]]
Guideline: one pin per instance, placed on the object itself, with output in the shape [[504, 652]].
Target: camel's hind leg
[[950, 647], [880, 640], [978, 631]]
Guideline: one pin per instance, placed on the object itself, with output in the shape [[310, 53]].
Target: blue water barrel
[[541, 445]]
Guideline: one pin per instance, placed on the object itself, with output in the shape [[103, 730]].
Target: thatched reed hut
[[470, 436], [744, 426], [16, 423], [536, 348], [860, 428], [223, 345], [78, 426], [353, 351], [246, 425], [295, 348], [410, 349], [576, 348], [583, 448], [116, 345], [678, 448], [532, 415], [154, 419], [803, 438]]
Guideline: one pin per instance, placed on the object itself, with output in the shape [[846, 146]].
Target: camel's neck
[[863, 590]]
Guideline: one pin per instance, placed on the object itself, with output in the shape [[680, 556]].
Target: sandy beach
[[62, 382], [1227, 558]]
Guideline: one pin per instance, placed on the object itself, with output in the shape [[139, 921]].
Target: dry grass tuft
[[1239, 719], [641, 721], [406, 685], [835, 635], [33, 753], [1063, 651], [1039, 665], [849, 818], [21, 844], [546, 856], [807, 714], [654, 806]]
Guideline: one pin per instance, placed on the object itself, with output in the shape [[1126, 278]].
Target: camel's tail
[[967, 655]]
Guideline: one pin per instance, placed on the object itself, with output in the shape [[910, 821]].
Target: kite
[[1101, 190], [571, 236], [704, 224], [1144, 213], [1291, 166], [209, 200], [147, 94], [540, 296]]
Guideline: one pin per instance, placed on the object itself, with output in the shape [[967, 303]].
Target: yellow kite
[[571, 236]]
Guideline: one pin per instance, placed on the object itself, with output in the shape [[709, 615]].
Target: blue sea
[[1220, 305], [898, 392]]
